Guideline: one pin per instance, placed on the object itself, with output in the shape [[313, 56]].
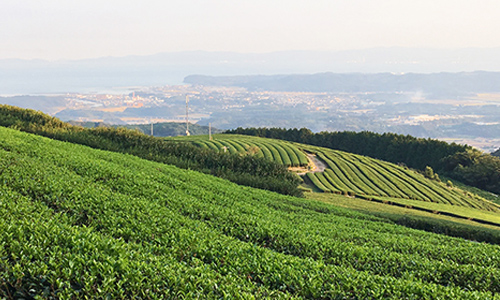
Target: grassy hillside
[[78, 222], [397, 148], [359, 176], [246, 170], [461, 162], [418, 219], [281, 152]]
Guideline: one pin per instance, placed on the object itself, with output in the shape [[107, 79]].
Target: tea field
[[366, 178], [83, 223], [280, 151]]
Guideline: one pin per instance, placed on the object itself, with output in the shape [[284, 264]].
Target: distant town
[[473, 119]]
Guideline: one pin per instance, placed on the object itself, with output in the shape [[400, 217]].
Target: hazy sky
[[73, 29]]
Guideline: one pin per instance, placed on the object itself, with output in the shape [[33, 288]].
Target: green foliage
[[448, 228], [246, 170], [362, 176], [414, 152], [406, 215], [459, 162], [429, 173], [356, 175], [475, 168], [279, 151], [83, 223], [474, 190]]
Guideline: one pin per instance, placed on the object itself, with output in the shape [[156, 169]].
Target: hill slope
[[359, 176], [460, 162], [278, 151], [79, 222], [246, 170]]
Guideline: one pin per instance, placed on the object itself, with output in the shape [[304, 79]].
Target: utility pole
[[187, 116], [210, 131], [152, 128]]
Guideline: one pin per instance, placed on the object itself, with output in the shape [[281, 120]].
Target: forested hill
[[460, 162], [436, 84]]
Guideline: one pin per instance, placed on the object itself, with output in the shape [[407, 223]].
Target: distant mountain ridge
[[39, 76], [435, 83]]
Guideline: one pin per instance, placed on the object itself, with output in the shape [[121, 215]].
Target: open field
[[377, 207], [439, 208], [486, 144], [416, 218]]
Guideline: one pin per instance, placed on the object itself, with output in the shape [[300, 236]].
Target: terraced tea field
[[82, 223], [280, 151], [362, 177], [347, 173]]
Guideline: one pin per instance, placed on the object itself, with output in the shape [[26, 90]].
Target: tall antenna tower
[[187, 116]]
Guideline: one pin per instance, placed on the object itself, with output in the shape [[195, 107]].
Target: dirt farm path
[[315, 165]]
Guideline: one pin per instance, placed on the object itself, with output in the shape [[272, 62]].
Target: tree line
[[460, 162]]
